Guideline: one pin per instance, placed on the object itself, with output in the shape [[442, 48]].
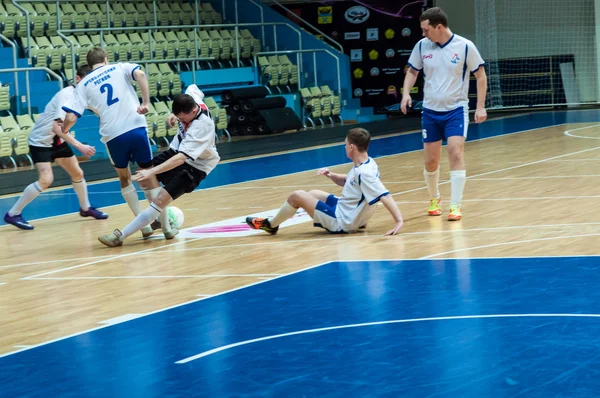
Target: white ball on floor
[[175, 216]]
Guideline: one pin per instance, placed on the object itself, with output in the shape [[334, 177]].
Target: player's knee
[[295, 197], [45, 180], [77, 174], [432, 164], [455, 153]]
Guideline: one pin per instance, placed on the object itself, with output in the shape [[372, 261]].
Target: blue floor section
[[429, 328], [64, 201]]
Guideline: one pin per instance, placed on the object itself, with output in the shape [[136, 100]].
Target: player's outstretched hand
[[395, 229], [87, 150], [142, 175], [324, 172], [142, 109], [406, 103], [172, 120]]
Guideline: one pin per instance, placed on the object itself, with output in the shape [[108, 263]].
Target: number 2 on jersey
[[109, 97]]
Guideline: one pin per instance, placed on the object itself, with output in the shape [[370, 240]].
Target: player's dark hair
[[436, 16], [183, 103], [95, 56], [360, 138], [83, 70]]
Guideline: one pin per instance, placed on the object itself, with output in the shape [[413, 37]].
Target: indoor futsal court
[[503, 303]]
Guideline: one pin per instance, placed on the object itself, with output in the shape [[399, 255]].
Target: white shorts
[[325, 216]]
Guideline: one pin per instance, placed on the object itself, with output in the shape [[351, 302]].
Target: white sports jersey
[[108, 92], [362, 190], [446, 70], [41, 135], [196, 140]]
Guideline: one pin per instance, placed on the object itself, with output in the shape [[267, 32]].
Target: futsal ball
[[175, 216]]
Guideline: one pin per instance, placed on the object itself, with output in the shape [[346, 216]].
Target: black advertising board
[[378, 36]]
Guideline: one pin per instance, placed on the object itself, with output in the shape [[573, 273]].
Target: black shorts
[[46, 155], [182, 179]]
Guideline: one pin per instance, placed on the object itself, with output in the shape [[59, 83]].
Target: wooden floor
[[528, 194]]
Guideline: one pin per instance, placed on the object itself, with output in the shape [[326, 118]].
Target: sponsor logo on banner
[[390, 71], [356, 55], [374, 91], [390, 53], [357, 14], [373, 55], [372, 34], [389, 33], [352, 35], [406, 32], [414, 90], [404, 52], [374, 71], [391, 90], [358, 73], [358, 92], [325, 15]]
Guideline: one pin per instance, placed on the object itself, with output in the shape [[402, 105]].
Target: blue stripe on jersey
[[371, 203], [412, 66], [134, 69], [69, 110], [476, 69], [465, 64]]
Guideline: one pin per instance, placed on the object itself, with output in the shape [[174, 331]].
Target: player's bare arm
[[480, 112], [409, 81], [170, 164], [390, 204], [338, 179]]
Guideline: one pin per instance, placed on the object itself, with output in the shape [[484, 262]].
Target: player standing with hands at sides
[[446, 60], [108, 92], [47, 143]]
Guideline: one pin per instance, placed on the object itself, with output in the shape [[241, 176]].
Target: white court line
[[509, 168], [165, 309], [509, 244], [332, 238], [51, 261], [2, 283], [568, 132], [395, 321], [381, 236], [398, 193], [297, 172], [509, 199], [75, 278]]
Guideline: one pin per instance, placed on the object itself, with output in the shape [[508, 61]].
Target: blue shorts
[[325, 215], [133, 146], [441, 125]]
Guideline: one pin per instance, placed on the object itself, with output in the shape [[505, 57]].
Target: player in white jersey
[[447, 60], [108, 92], [191, 156], [47, 144], [351, 211]]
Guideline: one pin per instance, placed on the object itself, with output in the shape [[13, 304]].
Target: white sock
[[164, 215], [31, 192], [287, 211], [432, 178], [142, 219], [80, 188], [130, 195], [457, 186]]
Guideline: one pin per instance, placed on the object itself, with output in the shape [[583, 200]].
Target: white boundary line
[[74, 278], [300, 172], [568, 132], [509, 244], [395, 321], [166, 309]]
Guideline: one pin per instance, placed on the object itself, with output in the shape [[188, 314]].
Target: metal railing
[[14, 51], [27, 89], [332, 42], [196, 28], [298, 52]]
